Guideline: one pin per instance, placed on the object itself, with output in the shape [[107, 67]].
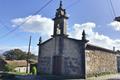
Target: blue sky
[[93, 15]]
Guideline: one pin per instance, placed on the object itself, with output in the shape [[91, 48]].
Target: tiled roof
[[94, 47], [17, 63]]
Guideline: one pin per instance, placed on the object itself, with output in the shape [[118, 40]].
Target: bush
[[9, 68], [34, 70]]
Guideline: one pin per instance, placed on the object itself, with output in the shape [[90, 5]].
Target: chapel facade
[[69, 57]]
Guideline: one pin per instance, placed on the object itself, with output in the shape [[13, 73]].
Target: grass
[[20, 73]]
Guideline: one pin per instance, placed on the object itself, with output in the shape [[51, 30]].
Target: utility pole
[[28, 56]]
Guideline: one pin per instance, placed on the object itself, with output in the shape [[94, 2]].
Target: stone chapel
[[64, 56]]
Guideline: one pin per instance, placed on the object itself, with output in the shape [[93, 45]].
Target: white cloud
[[115, 25], [44, 26], [94, 37], [78, 28], [35, 24]]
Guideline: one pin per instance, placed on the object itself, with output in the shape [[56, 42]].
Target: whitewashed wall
[[21, 69]]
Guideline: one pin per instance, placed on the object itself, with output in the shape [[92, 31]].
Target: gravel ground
[[106, 77]]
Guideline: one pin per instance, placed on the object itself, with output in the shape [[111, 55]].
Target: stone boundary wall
[[100, 62]]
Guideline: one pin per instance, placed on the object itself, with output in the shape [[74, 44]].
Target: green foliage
[[9, 68], [17, 54], [34, 70], [21, 73]]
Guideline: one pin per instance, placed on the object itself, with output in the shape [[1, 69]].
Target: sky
[[94, 16]]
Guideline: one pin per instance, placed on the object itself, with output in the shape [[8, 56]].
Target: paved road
[[7, 76], [106, 77]]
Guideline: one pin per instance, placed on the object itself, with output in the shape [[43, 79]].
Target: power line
[[113, 10], [72, 4], [26, 19], [7, 28], [109, 6], [3, 25]]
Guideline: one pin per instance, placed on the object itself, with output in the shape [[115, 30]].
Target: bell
[[117, 19]]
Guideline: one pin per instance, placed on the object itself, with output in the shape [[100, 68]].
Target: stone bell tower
[[60, 24], [61, 55]]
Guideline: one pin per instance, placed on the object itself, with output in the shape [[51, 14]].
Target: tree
[[9, 67], [17, 54]]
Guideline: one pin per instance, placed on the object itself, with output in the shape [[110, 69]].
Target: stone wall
[[71, 60], [100, 62], [45, 57], [71, 66]]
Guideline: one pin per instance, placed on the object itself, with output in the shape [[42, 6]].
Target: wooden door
[[57, 65]]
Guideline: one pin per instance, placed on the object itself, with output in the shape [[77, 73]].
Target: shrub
[[9, 68], [34, 70]]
